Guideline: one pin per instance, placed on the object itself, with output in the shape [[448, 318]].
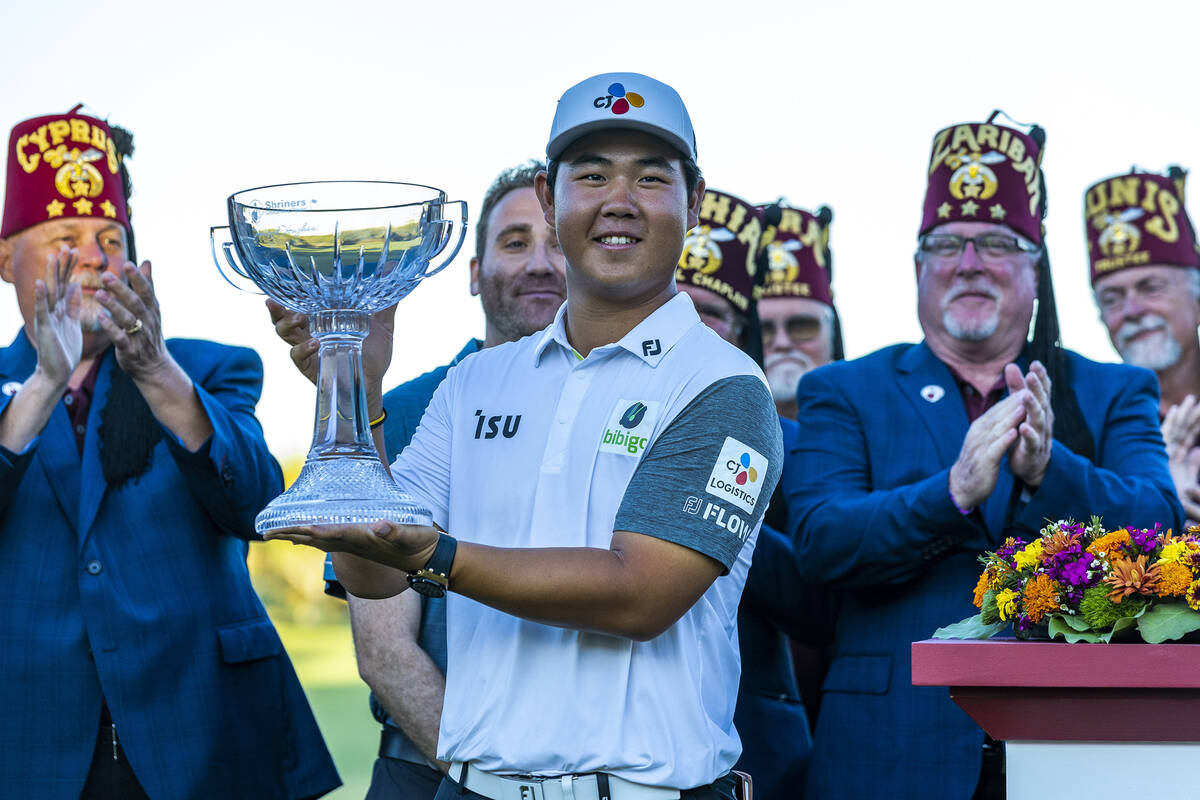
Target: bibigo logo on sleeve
[[738, 475]]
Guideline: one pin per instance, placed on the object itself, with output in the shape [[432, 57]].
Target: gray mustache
[[1151, 322]]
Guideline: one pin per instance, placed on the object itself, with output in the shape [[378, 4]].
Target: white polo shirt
[[670, 432]]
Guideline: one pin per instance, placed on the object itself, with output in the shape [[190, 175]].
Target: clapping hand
[[57, 334], [1020, 425], [1180, 429], [134, 321], [974, 474], [1030, 454]]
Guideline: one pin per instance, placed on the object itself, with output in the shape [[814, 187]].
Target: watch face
[[425, 586]]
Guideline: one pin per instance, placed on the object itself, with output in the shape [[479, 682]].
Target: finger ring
[[135, 327]]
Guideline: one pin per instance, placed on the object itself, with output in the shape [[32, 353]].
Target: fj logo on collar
[[932, 393], [651, 347], [493, 425], [629, 427], [11, 388]]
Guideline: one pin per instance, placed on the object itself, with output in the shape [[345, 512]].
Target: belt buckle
[[531, 791]]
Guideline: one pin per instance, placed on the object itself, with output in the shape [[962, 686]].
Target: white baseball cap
[[621, 100]]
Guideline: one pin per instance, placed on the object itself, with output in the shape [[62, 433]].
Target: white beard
[[1155, 353], [976, 331], [784, 371], [90, 312]]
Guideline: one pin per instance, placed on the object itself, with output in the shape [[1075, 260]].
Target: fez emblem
[[782, 266], [972, 177], [1118, 236], [932, 393], [76, 177], [701, 251]]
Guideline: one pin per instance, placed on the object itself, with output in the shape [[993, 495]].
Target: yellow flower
[[1174, 551], [1031, 556], [1173, 580], [1041, 596], [1192, 595], [1006, 602]]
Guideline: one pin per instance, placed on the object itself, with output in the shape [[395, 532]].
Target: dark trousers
[[720, 789], [397, 779], [992, 780], [110, 777]]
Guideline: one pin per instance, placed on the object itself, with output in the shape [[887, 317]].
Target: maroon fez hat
[[795, 254], [984, 172], [720, 254], [62, 166], [1137, 219]]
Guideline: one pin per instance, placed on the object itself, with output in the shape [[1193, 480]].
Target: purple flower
[[1144, 541], [1069, 568]]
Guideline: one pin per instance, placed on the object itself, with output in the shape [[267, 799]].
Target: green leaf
[[1167, 622], [1073, 629], [1124, 627], [1076, 621], [969, 628]]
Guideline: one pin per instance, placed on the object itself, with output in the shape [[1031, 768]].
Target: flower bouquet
[[1085, 584]]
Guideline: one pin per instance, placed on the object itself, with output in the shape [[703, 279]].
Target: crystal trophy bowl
[[339, 251]]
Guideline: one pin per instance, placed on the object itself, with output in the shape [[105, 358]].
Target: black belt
[[394, 744]]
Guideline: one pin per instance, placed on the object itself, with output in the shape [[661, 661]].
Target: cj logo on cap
[[737, 477], [618, 99]]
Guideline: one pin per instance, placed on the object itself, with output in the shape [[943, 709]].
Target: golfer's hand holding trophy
[[339, 251]]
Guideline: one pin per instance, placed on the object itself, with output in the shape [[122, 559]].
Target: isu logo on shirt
[[737, 475], [489, 427]]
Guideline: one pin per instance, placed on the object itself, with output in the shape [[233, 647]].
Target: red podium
[[1079, 720]]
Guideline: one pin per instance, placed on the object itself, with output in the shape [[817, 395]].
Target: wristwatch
[[433, 579]]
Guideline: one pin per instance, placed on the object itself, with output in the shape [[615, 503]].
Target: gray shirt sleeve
[[706, 480]]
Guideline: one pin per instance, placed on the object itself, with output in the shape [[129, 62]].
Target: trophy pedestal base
[[341, 491]]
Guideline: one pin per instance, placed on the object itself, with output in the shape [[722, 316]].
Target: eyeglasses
[[799, 328], [1154, 289], [989, 246]]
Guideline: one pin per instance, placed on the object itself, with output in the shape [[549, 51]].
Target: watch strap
[[441, 562]]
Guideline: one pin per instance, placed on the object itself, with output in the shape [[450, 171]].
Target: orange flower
[[1173, 579], [1109, 543], [1131, 577], [1041, 597], [1059, 540], [985, 583]]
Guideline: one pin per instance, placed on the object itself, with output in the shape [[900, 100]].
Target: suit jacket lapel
[[59, 459], [927, 385], [92, 483], [57, 456]]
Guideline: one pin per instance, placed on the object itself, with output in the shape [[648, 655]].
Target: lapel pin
[[11, 388], [932, 393]]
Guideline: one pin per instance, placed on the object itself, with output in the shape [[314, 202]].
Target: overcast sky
[[831, 102]]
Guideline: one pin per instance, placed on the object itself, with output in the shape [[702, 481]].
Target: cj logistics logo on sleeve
[[737, 477]]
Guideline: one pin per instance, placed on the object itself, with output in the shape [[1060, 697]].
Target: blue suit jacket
[[868, 491], [143, 592]]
